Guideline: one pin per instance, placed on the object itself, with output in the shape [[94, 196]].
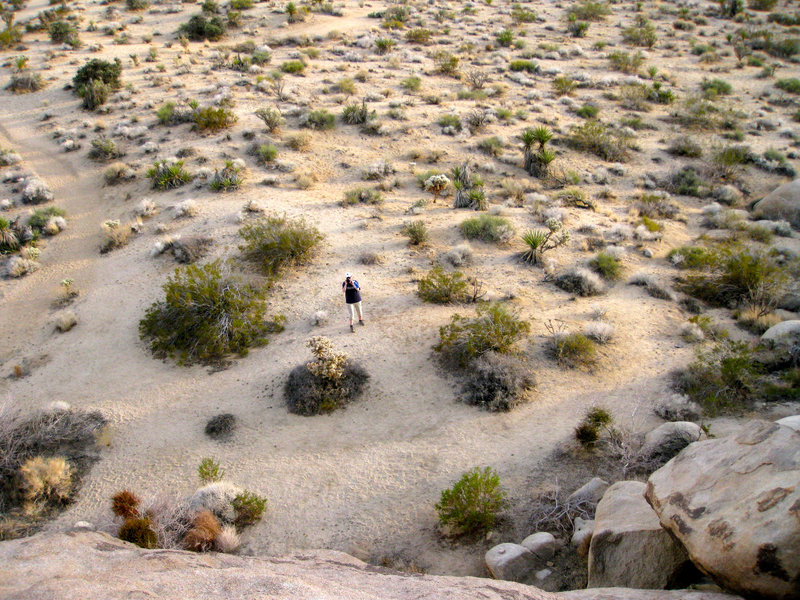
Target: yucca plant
[[537, 159], [8, 237], [540, 241]]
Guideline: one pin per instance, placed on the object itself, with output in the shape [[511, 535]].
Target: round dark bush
[[498, 382], [139, 531], [308, 394], [221, 426]]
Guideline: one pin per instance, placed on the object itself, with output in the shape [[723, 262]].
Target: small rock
[[793, 422], [582, 537], [589, 493], [665, 441], [510, 562], [542, 544], [83, 526]]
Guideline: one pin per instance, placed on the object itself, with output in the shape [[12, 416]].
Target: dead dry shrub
[[203, 535], [498, 382]]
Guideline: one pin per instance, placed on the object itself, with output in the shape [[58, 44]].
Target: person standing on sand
[[352, 297]]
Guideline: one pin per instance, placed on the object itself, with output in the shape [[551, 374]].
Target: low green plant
[[685, 146], [642, 33], [214, 118], [596, 419], [416, 232], [271, 118], [495, 328], [320, 120], [228, 178], [573, 350], [540, 241], [209, 470], [411, 84], [356, 114], [200, 28], [716, 87], [266, 153], [277, 242], [791, 85], [607, 265], [600, 139], [505, 38], [249, 508], [206, 315], [472, 504], [488, 228], [453, 121], [362, 195], [41, 216], [441, 287], [293, 67], [589, 10], [166, 175], [625, 61], [104, 149], [564, 86]]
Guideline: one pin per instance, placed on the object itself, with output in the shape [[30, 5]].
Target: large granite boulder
[[792, 421], [785, 333], [89, 565], [511, 562], [734, 504], [629, 547], [781, 203]]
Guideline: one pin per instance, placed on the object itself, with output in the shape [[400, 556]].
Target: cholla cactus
[[436, 184], [327, 363]]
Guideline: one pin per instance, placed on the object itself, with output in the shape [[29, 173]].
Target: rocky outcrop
[[629, 547], [734, 504], [85, 565], [781, 203]]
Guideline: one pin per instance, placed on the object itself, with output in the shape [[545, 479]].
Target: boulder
[[781, 203], [582, 535], [589, 493], [82, 564], [542, 544], [665, 441], [629, 547], [793, 422], [511, 562], [785, 333], [734, 504]]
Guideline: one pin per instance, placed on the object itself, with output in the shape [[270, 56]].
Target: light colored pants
[[353, 309]]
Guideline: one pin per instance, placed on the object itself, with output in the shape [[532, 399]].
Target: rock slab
[[629, 547], [88, 565], [734, 504], [781, 203], [511, 562]]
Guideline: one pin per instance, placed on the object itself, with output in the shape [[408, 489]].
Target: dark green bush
[[573, 350], [416, 232], [249, 508], [275, 243], [689, 182], [104, 149], [214, 118], [600, 139], [523, 65], [61, 32], [167, 175], [41, 216], [488, 228], [626, 62], [266, 153], [97, 69], [356, 114], [691, 257], [320, 120], [642, 33], [722, 379], [206, 314], [293, 67], [608, 266], [441, 287], [497, 382], [494, 329], [472, 504], [589, 10], [200, 28], [362, 194], [685, 146], [716, 87], [791, 85], [587, 433]]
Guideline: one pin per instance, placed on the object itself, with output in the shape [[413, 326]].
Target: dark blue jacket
[[351, 292]]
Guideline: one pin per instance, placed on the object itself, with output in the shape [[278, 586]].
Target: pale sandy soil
[[363, 480]]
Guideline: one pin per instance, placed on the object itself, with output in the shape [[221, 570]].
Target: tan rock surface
[[86, 565]]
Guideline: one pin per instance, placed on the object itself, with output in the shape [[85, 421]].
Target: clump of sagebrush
[[277, 242], [206, 315], [328, 382], [497, 382], [537, 157], [441, 287], [602, 140], [271, 117], [362, 195], [540, 241], [735, 275], [43, 458], [95, 80], [607, 265], [104, 149], [320, 120], [487, 228], [471, 506], [725, 378], [580, 281], [595, 421], [168, 174], [213, 118], [494, 329], [573, 349], [416, 232]]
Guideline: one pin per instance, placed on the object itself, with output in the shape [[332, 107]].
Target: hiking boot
[[360, 322], [352, 330]]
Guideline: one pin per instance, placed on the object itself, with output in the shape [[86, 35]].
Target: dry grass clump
[[328, 382], [115, 235], [580, 281], [497, 382], [574, 350], [203, 535]]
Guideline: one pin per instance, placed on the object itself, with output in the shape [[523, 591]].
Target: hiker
[[352, 297]]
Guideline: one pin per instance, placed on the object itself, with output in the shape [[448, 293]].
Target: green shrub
[[716, 87], [626, 62], [440, 287], [356, 114], [241, 4], [214, 118], [453, 121], [320, 120], [419, 35], [784, 48], [784, 19], [206, 315], [200, 28], [228, 178], [411, 84], [275, 243], [688, 182], [588, 111], [8, 237], [587, 433], [524, 65], [104, 149], [791, 85], [168, 175], [249, 508], [271, 117], [41, 216], [762, 5], [643, 33], [62, 32], [94, 71], [488, 228], [685, 146], [416, 232], [589, 10], [209, 470], [522, 15], [166, 113], [384, 45], [505, 38], [362, 194], [600, 139], [564, 86], [573, 350], [493, 329], [729, 160], [576, 28], [472, 504], [446, 63], [134, 5], [266, 153], [492, 146], [94, 94], [608, 266], [691, 257], [293, 67], [722, 379], [540, 241], [25, 82]]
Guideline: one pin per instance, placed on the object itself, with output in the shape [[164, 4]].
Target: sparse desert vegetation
[[550, 209]]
